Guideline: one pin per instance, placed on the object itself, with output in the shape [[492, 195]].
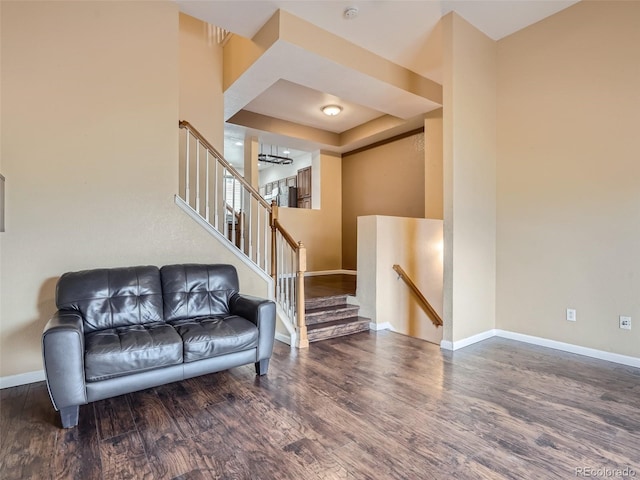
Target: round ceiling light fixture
[[331, 110], [350, 13]]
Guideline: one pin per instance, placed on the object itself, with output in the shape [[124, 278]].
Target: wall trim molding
[[330, 272], [21, 379], [543, 342], [395, 138], [281, 337], [465, 342], [570, 348], [38, 375]]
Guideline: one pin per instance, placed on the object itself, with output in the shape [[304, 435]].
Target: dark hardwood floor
[[372, 405], [328, 285]]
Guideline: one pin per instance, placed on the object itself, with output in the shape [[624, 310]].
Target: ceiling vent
[[350, 13]]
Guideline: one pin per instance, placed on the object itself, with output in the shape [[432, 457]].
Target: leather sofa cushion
[[112, 297], [193, 290], [124, 350], [212, 336]]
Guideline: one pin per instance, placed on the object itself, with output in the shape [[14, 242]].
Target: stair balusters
[[232, 209]]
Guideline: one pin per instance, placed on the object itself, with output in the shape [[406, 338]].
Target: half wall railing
[[213, 192]]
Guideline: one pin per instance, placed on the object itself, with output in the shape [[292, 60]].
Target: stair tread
[[338, 328]]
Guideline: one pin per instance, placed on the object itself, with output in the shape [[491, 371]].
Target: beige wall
[[469, 157], [433, 165], [384, 180], [320, 229], [201, 98], [416, 245], [90, 102], [569, 177]]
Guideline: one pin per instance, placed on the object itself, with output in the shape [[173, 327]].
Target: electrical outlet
[[625, 322], [571, 314]]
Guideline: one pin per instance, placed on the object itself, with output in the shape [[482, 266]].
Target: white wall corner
[[465, 342], [446, 345], [286, 339], [380, 326]]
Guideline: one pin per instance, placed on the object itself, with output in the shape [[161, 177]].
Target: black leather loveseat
[[120, 330]]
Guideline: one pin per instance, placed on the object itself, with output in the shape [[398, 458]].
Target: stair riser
[[337, 331], [313, 303], [322, 317]]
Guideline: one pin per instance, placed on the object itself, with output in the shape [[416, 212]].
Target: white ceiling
[[397, 30], [303, 105]]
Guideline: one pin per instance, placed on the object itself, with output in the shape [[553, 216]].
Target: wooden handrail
[[435, 318], [286, 235], [231, 210], [254, 193]]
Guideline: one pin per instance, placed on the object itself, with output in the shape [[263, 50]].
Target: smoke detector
[[350, 13]]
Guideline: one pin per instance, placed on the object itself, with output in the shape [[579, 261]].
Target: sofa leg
[[69, 416], [262, 366]]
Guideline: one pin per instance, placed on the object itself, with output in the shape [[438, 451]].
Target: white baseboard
[[465, 342], [543, 342], [38, 375], [281, 337], [570, 348], [21, 379], [380, 326], [330, 272]]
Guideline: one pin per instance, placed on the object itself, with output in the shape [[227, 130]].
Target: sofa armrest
[[63, 359], [262, 313]]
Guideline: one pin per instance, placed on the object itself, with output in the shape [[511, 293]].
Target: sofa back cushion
[[194, 290], [112, 297]]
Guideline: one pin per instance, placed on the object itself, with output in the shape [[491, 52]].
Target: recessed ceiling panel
[[295, 103]]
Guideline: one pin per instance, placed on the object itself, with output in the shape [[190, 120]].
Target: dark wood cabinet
[[304, 187]]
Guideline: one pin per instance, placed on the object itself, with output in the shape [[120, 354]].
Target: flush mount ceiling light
[[331, 110]]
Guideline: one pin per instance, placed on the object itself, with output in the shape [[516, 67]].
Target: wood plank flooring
[[328, 285], [369, 406]]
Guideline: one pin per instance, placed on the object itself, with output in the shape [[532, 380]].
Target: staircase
[[331, 316], [221, 200]]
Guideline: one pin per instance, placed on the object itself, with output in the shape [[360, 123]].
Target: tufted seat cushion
[[207, 337], [114, 352]]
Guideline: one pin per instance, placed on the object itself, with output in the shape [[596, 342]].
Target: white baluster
[[216, 193], [249, 221], [258, 235], [197, 175], [186, 169], [206, 189]]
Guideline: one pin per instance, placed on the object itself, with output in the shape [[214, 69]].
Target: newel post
[[303, 341]]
